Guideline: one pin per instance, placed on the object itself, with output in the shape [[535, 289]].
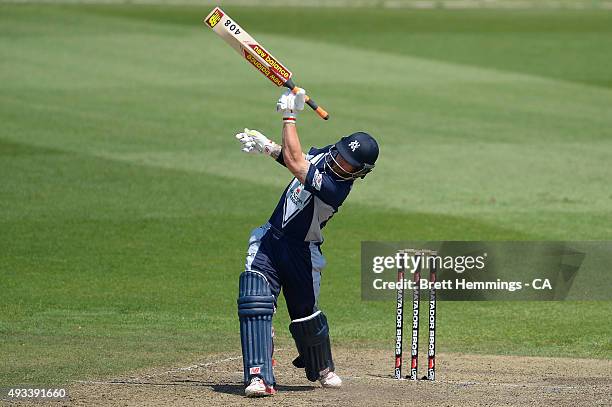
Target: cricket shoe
[[258, 388], [331, 381]]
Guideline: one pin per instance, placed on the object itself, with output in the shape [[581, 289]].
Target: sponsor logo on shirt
[[295, 195], [317, 180]]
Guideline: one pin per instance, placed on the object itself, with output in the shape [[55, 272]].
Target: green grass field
[[125, 203]]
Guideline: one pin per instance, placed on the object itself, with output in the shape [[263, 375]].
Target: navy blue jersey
[[304, 209]]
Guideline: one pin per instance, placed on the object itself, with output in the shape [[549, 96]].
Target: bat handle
[[318, 109]]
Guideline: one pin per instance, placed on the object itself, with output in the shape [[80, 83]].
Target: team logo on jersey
[[354, 145], [317, 180]]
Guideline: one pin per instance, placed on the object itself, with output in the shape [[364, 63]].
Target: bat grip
[[318, 109]]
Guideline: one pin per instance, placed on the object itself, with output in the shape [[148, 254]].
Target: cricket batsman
[[286, 251]]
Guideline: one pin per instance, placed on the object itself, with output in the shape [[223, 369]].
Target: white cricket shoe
[[331, 381], [258, 388]]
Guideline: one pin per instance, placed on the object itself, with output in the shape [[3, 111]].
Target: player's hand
[[290, 103], [248, 144], [253, 142]]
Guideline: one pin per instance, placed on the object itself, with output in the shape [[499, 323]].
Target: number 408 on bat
[[232, 27]]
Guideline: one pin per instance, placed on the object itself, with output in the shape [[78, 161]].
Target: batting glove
[[253, 142], [290, 103]]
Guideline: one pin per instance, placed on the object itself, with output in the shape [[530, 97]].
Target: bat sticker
[[263, 69], [214, 18], [274, 64]]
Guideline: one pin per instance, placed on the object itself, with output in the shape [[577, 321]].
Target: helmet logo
[[354, 145]]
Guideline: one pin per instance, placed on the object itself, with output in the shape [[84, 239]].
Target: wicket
[[399, 318]]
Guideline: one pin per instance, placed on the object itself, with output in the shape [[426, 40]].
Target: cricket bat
[[255, 54]]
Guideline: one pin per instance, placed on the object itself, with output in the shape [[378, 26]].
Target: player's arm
[[293, 157], [289, 104], [253, 142], [290, 153]]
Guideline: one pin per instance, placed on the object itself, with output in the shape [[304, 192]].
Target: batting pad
[[311, 336], [255, 309]]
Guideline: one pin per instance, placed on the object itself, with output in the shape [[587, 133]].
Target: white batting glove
[[248, 145], [253, 142], [290, 103]]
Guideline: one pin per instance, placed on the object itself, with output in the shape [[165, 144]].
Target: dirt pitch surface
[[466, 380]]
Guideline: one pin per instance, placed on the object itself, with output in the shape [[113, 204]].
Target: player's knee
[[302, 311], [254, 295]]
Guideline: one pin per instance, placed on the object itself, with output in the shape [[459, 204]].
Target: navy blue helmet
[[359, 149]]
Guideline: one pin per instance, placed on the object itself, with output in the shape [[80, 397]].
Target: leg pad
[[255, 310], [311, 336]]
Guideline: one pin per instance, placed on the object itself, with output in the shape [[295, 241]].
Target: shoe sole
[[260, 393]]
